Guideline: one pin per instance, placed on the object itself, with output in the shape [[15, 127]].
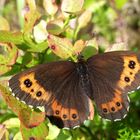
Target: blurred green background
[[90, 26]]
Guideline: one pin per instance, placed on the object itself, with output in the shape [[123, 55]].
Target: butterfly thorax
[[83, 73], [82, 69]]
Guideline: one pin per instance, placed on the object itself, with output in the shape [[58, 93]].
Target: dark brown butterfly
[[66, 88]]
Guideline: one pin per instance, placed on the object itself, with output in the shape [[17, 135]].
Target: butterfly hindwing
[[56, 86], [113, 75], [72, 106]]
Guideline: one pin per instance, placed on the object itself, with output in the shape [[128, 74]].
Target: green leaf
[[65, 136], [31, 46], [38, 47], [55, 27], [15, 69], [4, 69], [6, 116], [120, 3], [94, 5], [37, 133], [90, 49], [50, 56], [6, 36], [26, 58]]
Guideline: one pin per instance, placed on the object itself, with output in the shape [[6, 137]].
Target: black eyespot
[[105, 110], [28, 83], [113, 109], [131, 66], [131, 62], [64, 116], [118, 103], [74, 116], [57, 112], [39, 93], [127, 79]]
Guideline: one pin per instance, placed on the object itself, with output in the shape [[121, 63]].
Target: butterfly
[[66, 88]]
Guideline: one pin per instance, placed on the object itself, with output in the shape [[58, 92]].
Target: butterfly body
[[82, 71], [66, 88]]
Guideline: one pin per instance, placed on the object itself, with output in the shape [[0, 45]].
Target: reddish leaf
[[36, 133], [31, 119], [27, 116]]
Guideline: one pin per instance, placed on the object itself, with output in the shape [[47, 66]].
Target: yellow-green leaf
[[27, 116], [72, 6], [4, 25], [62, 47], [50, 6], [9, 37], [31, 16], [84, 18], [12, 123], [18, 136], [10, 52]]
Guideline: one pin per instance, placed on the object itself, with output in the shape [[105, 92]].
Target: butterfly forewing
[[57, 87], [35, 86], [113, 75]]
